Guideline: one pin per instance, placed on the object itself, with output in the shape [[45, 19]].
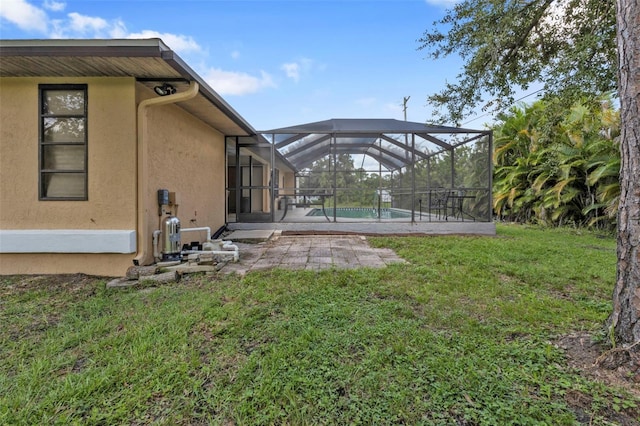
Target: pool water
[[362, 213]]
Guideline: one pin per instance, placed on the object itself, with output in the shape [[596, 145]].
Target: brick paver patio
[[311, 252]]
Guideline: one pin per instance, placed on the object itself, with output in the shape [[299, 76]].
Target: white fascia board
[[67, 241]]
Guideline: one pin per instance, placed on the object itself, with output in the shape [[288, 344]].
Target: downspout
[[142, 256]]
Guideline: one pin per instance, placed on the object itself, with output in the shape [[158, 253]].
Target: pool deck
[[362, 213], [297, 222]]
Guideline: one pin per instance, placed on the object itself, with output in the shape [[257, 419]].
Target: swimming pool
[[362, 213]]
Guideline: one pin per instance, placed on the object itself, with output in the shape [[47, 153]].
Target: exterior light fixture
[[165, 89]]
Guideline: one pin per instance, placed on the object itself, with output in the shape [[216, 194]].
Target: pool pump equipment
[[171, 239], [170, 228]]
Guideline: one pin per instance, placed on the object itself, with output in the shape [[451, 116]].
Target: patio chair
[[439, 202], [456, 199]]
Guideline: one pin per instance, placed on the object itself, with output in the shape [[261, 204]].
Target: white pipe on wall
[[202, 228], [156, 253], [142, 257], [227, 245]]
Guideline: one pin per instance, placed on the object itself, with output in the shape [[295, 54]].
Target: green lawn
[[463, 334]]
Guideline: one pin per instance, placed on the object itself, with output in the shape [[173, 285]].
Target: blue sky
[[278, 63]]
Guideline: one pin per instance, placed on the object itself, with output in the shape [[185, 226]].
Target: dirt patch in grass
[[617, 368], [42, 299], [613, 367], [72, 284]]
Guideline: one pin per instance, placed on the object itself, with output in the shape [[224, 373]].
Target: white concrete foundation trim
[[67, 241]]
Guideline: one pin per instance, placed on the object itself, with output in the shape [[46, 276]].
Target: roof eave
[[79, 47], [112, 48], [185, 70]]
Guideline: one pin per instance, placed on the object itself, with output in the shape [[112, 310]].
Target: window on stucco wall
[[63, 142]]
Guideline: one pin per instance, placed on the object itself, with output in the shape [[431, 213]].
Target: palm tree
[[558, 167]]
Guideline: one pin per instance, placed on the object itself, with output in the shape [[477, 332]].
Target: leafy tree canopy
[[567, 45]]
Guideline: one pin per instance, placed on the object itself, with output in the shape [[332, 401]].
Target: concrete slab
[[250, 235]]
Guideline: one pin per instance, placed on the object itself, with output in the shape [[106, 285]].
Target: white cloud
[[177, 42], [301, 67], [82, 24], [292, 70], [117, 29], [237, 83], [75, 25], [54, 6], [24, 15]]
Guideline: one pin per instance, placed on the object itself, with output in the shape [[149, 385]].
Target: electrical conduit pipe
[[142, 256]]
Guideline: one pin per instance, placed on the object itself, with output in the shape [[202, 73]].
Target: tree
[[563, 173], [507, 45], [320, 177], [625, 320], [570, 47]]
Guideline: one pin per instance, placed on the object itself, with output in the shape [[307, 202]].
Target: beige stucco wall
[[288, 182], [185, 156], [101, 264], [111, 158], [111, 172]]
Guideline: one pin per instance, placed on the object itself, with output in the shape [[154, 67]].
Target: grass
[[461, 335]]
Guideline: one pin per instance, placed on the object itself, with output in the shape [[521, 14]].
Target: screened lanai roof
[[393, 143]]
